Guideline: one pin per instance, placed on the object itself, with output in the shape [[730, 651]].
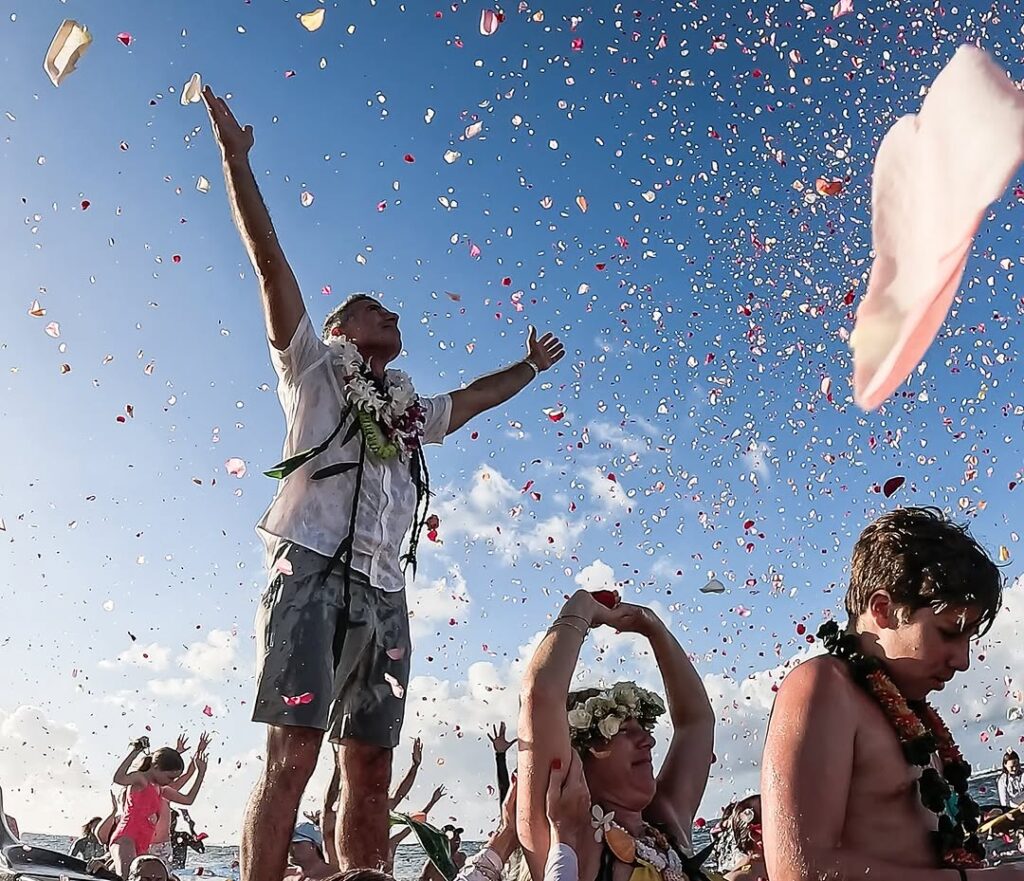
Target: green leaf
[[434, 842], [332, 470], [282, 469], [353, 430]]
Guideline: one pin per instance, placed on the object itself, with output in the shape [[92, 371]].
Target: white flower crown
[[599, 717]]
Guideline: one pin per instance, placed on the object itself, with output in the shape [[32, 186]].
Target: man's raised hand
[[234, 140], [545, 352]]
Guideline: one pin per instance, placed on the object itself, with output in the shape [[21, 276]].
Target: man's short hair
[[923, 559], [340, 314]]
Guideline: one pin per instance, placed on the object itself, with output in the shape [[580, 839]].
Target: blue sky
[[701, 296]]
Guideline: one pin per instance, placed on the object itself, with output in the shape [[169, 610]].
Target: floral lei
[[389, 413], [921, 733], [599, 718], [652, 847]]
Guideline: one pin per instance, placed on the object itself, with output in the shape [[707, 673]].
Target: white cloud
[[42, 762], [597, 576], [607, 492], [214, 658], [153, 657], [439, 600], [493, 511], [757, 459], [44, 777]]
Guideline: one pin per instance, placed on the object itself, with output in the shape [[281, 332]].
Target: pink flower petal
[[935, 175], [474, 250], [208, 710], [284, 566], [488, 22], [124, 38], [396, 687], [843, 7], [395, 654], [298, 700], [52, 329], [235, 467]]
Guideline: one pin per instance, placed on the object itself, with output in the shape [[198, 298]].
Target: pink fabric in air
[[935, 175]]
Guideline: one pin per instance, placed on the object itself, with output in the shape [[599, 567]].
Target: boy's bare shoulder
[[822, 677]]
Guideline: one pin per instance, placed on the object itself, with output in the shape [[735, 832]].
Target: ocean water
[[222, 861]]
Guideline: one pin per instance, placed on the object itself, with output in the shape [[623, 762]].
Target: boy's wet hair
[[924, 560], [340, 314]]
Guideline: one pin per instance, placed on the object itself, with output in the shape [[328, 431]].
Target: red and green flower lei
[[922, 734]]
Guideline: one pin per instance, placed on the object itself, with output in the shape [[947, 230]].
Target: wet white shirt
[[316, 513]]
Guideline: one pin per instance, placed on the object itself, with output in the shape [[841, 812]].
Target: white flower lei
[[391, 410]]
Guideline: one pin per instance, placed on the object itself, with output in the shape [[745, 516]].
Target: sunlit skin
[[840, 799], [922, 650], [620, 772], [373, 329]]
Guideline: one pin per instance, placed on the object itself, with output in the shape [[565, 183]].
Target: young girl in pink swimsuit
[[145, 787]]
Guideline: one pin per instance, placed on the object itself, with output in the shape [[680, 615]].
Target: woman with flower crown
[[861, 778], [642, 820]]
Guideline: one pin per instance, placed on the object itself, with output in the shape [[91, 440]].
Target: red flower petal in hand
[[607, 598]]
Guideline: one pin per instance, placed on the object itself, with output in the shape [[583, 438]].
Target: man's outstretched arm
[[283, 308], [496, 388]]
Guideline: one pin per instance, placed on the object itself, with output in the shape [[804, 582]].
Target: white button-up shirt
[[316, 513]]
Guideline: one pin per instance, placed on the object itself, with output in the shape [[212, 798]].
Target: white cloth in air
[[935, 175]]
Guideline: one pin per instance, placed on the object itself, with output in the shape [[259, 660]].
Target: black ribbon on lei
[[945, 794]]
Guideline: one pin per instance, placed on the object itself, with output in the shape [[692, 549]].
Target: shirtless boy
[[841, 797]]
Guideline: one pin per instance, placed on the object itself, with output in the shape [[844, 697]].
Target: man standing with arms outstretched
[[332, 628]]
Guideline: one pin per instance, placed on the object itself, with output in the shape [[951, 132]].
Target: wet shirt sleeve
[[304, 351], [437, 416]]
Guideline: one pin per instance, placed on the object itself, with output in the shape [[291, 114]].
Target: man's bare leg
[[329, 815], [274, 803], [362, 824]]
